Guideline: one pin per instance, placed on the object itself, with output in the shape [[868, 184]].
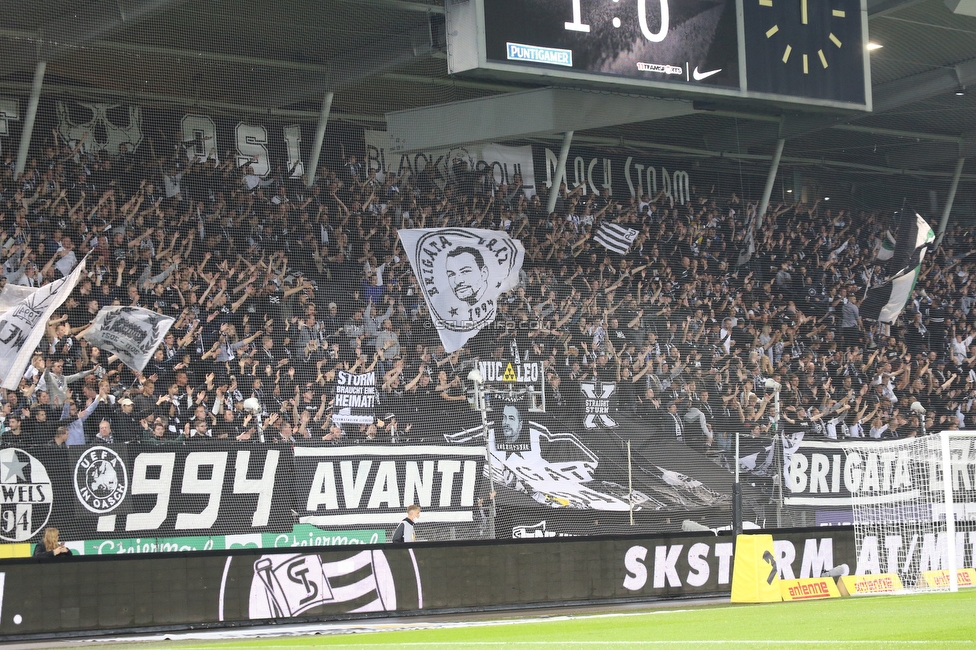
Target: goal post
[[914, 507]]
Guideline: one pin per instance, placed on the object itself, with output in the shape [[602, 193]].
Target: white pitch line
[[751, 642]]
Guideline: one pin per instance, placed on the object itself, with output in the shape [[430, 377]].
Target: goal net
[[901, 497]]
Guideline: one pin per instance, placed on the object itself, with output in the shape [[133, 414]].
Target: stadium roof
[[244, 56]]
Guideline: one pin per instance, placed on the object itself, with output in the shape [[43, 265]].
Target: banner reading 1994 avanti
[[128, 498]]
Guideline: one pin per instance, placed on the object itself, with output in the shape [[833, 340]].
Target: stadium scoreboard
[[810, 52]]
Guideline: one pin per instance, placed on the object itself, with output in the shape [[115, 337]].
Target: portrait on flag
[[132, 333], [462, 272]]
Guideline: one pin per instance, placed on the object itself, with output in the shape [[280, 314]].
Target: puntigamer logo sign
[[101, 480]]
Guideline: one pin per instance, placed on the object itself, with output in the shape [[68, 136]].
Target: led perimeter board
[[809, 52]]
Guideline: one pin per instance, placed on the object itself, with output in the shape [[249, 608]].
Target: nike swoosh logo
[[703, 75]]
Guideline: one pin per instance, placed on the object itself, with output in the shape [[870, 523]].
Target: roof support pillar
[[948, 206], [319, 138], [770, 180], [25, 135], [560, 172]]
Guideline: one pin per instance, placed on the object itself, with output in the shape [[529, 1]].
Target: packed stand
[[275, 288]]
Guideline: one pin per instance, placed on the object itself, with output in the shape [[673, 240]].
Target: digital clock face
[[688, 41]]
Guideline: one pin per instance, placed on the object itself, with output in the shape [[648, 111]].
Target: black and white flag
[[133, 333], [13, 294], [22, 328], [619, 239], [462, 272], [885, 303]]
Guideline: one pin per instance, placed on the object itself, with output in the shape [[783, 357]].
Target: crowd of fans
[[276, 287]]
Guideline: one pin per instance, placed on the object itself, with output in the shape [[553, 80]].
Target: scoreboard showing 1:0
[[808, 52], [691, 41]]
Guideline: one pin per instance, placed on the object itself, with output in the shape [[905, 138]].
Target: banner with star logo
[[462, 272]]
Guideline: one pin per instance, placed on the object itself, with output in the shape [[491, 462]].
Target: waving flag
[[22, 328], [616, 238], [885, 303], [462, 272], [132, 333]]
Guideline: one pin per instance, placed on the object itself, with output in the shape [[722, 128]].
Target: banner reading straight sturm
[[461, 272], [133, 333]]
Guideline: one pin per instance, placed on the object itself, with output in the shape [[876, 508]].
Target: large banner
[[372, 486], [819, 473], [505, 164], [131, 491], [621, 176], [266, 143], [291, 585], [215, 495]]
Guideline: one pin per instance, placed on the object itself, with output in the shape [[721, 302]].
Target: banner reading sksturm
[[132, 333], [461, 272]]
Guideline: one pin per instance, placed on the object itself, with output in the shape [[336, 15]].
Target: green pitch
[[926, 621]]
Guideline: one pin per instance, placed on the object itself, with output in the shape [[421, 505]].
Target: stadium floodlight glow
[[874, 46]]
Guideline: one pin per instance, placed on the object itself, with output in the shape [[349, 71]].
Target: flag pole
[[630, 485]]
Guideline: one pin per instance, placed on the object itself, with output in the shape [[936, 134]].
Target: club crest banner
[[462, 272], [132, 333]]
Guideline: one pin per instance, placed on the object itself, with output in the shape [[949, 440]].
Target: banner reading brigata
[[820, 473]]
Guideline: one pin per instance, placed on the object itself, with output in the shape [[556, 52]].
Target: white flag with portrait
[[22, 328], [133, 333], [462, 272]]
